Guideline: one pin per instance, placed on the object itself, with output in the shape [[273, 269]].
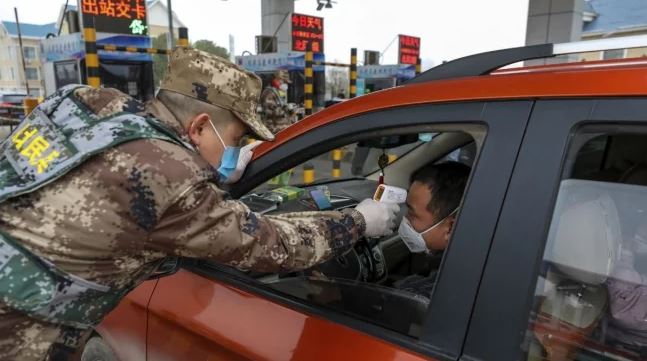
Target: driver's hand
[[379, 217]]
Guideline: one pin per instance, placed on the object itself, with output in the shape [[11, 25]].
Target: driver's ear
[[196, 126], [450, 228]]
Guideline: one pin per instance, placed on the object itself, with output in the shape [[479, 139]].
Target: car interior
[[361, 282], [601, 203]]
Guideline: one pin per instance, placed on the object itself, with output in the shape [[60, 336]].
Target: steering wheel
[[364, 262]]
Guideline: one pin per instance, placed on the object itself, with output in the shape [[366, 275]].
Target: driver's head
[[434, 196], [214, 100]]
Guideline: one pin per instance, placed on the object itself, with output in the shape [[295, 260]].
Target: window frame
[[535, 181], [27, 58], [35, 71], [447, 319]]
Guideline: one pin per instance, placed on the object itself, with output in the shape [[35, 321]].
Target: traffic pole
[[91, 57], [308, 169], [183, 37], [336, 163], [418, 66], [353, 73], [308, 86], [308, 173]]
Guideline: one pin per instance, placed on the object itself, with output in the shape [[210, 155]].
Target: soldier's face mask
[[234, 160]]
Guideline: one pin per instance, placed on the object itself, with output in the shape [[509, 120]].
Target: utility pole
[[169, 42], [22, 54]]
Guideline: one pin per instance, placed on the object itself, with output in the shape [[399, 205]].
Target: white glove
[[244, 157], [379, 217]]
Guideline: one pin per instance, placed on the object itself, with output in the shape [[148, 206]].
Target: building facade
[[604, 19], [12, 76]]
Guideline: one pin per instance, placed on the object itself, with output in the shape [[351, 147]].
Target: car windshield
[[358, 159]]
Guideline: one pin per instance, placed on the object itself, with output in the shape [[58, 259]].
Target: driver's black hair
[[446, 182]]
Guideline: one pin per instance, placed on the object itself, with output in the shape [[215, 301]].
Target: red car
[[556, 195]]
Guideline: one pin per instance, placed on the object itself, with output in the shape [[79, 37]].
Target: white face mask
[[414, 240], [283, 87]]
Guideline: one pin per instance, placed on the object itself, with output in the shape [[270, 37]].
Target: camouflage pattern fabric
[[216, 81], [275, 113], [111, 219]]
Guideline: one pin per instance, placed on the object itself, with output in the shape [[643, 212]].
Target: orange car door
[[195, 318]]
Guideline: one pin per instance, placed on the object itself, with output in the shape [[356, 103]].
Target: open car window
[[378, 281]]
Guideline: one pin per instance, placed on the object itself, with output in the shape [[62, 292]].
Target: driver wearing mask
[[432, 202]]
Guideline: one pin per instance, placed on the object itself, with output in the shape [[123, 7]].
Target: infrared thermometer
[[390, 194]]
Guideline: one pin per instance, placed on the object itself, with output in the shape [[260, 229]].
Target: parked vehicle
[[555, 201]]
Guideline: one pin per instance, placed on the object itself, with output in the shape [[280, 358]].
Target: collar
[[162, 113]]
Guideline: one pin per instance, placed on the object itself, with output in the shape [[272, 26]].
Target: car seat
[[582, 247]]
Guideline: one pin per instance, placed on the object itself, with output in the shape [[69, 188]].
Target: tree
[[160, 62], [211, 47]]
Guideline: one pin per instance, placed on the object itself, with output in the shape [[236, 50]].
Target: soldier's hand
[[379, 217]]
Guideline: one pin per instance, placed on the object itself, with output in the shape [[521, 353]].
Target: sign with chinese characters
[[400, 71], [409, 49], [307, 30], [117, 16], [276, 61], [64, 47]]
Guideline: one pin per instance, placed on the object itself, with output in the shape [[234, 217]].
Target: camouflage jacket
[[275, 113], [111, 218]]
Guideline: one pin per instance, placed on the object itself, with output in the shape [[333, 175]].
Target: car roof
[[609, 78]]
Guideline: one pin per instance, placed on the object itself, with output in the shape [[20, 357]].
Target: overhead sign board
[[409, 49], [307, 30], [117, 16], [278, 61]]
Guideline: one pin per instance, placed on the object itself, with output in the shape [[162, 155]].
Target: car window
[[591, 296], [353, 160], [378, 281]]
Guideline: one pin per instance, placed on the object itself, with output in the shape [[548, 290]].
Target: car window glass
[[379, 281], [591, 296], [353, 160]]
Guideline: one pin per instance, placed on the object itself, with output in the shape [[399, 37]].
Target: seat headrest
[[585, 236]]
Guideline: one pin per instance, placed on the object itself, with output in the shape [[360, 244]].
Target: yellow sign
[[33, 146]]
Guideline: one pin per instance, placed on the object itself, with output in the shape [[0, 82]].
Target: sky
[[448, 29]]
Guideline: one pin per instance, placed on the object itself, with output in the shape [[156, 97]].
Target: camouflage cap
[[216, 81], [283, 75]]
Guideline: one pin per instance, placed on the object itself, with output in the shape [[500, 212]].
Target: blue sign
[[64, 47], [71, 46], [278, 61], [401, 71], [124, 40], [360, 85]]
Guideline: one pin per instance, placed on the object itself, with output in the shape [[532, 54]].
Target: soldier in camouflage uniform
[[104, 224], [276, 113]]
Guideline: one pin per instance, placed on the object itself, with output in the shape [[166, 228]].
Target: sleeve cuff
[[358, 219]]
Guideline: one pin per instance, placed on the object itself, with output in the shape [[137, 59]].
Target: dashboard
[[370, 260]]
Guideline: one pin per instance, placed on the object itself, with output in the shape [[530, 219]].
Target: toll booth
[[264, 65], [377, 77], [63, 59]]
